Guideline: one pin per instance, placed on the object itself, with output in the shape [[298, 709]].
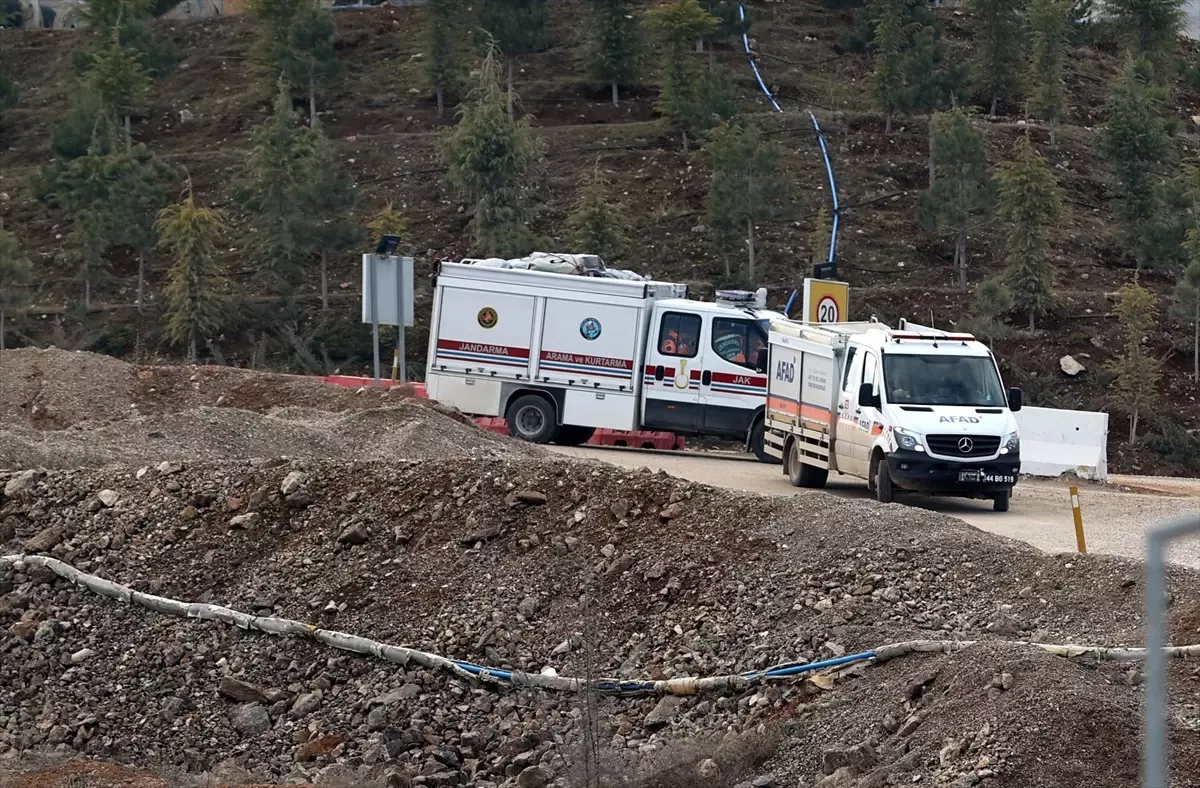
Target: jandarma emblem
[[488, 318]]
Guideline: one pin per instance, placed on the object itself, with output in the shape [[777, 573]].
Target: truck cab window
[[738, 341], [846, 381], [679, 335], [868, 374]]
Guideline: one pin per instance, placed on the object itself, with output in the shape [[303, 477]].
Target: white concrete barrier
[[1054, 442]]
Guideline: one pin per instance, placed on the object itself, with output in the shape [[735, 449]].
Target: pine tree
[[913, 72], [516, 27], [328, 199], [992, 300], [137, 197], [996, 67], [1047, 61], [745, 185], [612, 49], [1136, 143], [1186, 305], [1137, 373], [194, 301], [491, 158], [729, 24], [961, 198], [125, 19], [1154, 25], [309, 57], [932, 79], [273, 22], [15, 275], [595, 224], [387, 221], [677, 24], [444, 37], [887, 81], [118, 78], [271, 192], [1030, 201]]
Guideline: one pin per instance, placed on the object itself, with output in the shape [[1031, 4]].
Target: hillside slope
[[387, 136]]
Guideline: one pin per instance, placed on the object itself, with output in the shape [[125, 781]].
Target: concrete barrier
[[1054, 442]]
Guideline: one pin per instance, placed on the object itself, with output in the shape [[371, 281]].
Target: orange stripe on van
[[793, 408]]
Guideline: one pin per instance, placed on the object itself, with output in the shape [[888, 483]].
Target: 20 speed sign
[[827, 310]]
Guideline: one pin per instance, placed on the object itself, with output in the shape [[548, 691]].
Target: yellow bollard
[[1075, 510]]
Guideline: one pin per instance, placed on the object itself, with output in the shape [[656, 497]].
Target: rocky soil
[[480, 549]]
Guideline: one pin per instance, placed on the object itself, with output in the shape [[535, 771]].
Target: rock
[[250, 719], [1070, 366], [533, 777], [656, 572], [292, 482], [306, 704], [245, 521], [240, 691], [324, 745], [377, 718], [663, 713], [23, 484], [619, 508], [45, 540], [530, 497], [354, 534], [1006, 681], [708, 769], [671, 511], [8, 529], [109, 498], [189, 513], [910, 725], [528, 606], [81, 656], [861, 756], [842, 778]]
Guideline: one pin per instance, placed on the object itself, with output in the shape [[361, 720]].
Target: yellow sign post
[[1077, 511], [826, 301]]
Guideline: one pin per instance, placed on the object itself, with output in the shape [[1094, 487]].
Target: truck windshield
[[968, 381]]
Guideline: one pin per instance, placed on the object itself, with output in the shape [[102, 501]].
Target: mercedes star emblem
[[965, 445]]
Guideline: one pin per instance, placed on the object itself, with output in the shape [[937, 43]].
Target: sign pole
[[400, 320], [374, 314]]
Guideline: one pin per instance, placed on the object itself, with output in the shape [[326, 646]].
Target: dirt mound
[[510, 564]]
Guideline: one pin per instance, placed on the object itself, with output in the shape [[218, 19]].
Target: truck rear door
[[671, 398], [484, 332]]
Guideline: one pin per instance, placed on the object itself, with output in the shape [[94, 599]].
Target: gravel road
[[1115, 516]]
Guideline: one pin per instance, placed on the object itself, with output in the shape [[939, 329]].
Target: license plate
[[986, 478], [968, 476]]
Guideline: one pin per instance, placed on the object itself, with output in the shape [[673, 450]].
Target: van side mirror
[[867, 398], [1015, 398], [760, 364]]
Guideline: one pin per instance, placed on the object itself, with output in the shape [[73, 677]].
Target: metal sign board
[[826, 301], [387, 288]]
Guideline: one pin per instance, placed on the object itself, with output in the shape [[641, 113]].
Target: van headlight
[[909, 441], [1012, 443]]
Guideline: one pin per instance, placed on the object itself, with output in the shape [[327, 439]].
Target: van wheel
[[569, 435], [802, 475], [757, 444], [1000, 501], [531, 418], [883, 482]]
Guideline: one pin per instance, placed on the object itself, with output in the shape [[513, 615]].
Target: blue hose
[[836, 221]]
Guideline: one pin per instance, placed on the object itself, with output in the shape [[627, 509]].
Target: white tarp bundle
[[556, 263]]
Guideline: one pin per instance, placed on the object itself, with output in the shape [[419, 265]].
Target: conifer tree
[[138, 195], [118, 78], [328, 199], [595, 224], [887, 81], [125, 19], [271, 192], [1186, 298], [309, 59], [1030, 201], [15, 274], [516, 27], [1047, 61], [1153, 25], [991, 301], [961, 198], [387, 221], [612, 49], [746, 183], [677, 24], [1136, 143], [996, 67], [189, 233], [444, 37], [1137, 372], [491, 158]]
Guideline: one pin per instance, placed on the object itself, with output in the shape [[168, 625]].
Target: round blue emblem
[[589, 328]]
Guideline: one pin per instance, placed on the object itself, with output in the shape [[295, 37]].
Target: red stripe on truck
[[483, 349]]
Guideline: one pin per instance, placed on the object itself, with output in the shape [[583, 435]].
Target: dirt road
[[1115, 515]]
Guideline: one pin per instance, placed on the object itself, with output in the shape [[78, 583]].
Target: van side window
[[738, 341], [679, 335], [868, 375], [849, 363]]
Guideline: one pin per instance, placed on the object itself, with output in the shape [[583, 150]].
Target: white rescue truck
[[908, 409], [561, 355]]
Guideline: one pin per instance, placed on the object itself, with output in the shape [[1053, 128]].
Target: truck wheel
[[883, 483], [1000, 502], [757, 439], [802, 475], [569, 435], [531, 418]]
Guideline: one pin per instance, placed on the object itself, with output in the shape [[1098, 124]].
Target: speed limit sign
[[826, 301]]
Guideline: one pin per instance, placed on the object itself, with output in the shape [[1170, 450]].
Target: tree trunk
[[1133, 425], [324, 280], [191, 346], [441, 100], [960, 255], [1031, 326], [932, 166], [2, 316], [995, 104], [128, 133], [616, 95], [683, 132], [750, 245], [511, 117], [699, 45], [1053, 137], [87, 294], [312, 102], [887, 124], [141, 285]]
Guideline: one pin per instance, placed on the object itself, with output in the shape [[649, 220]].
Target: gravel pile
[[532, 563]]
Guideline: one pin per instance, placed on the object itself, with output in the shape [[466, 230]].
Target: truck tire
[[531, 418], [802, 475], [757, 438], [569, 435], [883, 483], [1001, 500]]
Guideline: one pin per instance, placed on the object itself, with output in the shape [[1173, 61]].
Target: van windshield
[[967, 381]]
